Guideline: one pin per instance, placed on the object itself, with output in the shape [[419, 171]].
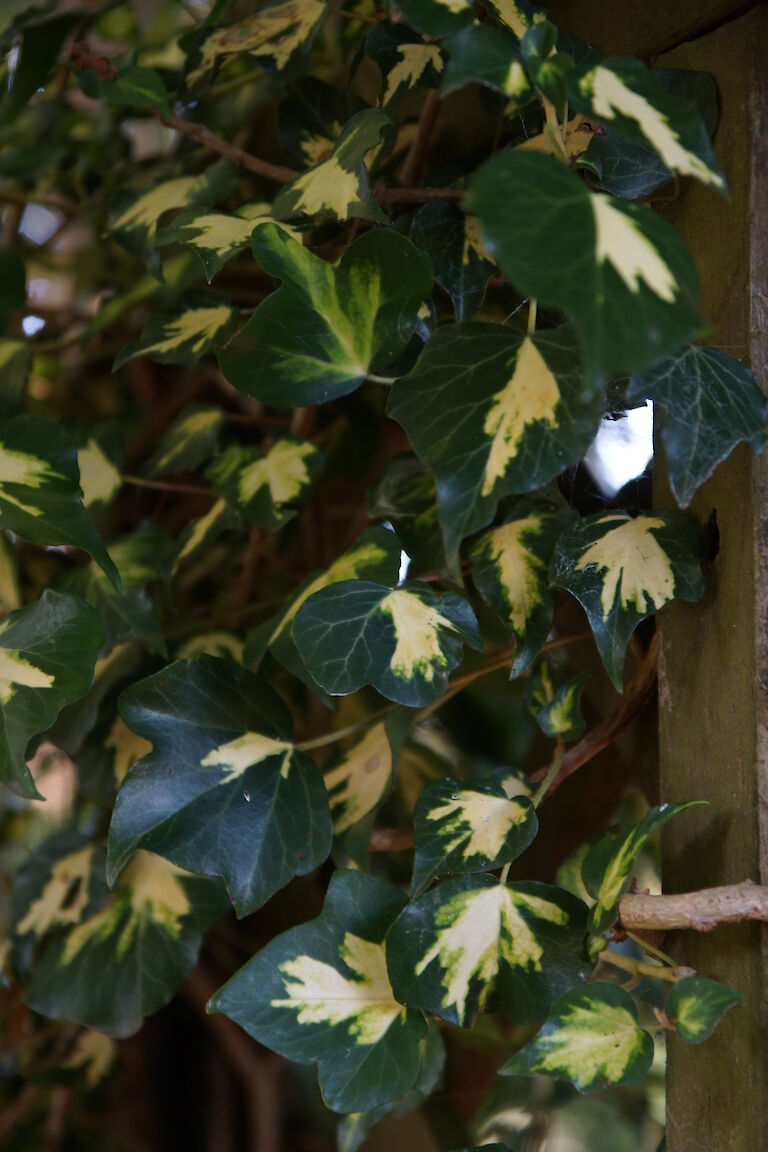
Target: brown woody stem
[[700, 911]]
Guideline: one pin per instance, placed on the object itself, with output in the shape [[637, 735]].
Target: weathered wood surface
[[712, 683], [713, 703]]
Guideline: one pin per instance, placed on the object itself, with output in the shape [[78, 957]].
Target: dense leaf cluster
[[379, 348]]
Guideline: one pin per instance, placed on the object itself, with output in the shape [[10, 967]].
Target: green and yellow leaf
[[320, 992], [189, 441], [592, 1038], [617, 269], [273, 35], [134, 217], [320, 334], [99, 461], [510, 569], [48, 652], [339, 186], [405, 641], [453, 243], [201, 533], [481, 54], [608, 866], [624, 94], [217, 237], [622, 569], [696, 1005], [553, 706], [15, 363], [93, 1054], [266, 487], [360, 777], [184, 335], [124, 958], [459, 827], [40, 496], [473, 943], [405, 61], [231, 796], [492, 413]]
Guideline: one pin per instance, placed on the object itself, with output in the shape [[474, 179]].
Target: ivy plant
[[301, 596]]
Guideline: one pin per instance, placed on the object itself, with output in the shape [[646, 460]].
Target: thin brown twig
[[418, 153], [637, 694], [168, 486]]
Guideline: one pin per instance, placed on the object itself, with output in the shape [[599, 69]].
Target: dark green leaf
[[485, 55], [622, 569], [555, 707], [695, 1005], [320, 992], [405, 641], [460, 264], [711, 402], [320, 334], [436, 17], [618, 269], [473, 943], [493, 412], [592, 1038], [608, 865], [224, 792], [189, 441], [462, 828], [47, 655]]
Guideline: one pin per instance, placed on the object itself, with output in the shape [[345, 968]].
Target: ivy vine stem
[[639, 967], [550, 775]]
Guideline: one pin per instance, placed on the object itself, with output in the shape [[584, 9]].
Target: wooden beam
[[713, 662]]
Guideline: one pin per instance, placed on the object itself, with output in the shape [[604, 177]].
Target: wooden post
[[713, 678], [713, 669]]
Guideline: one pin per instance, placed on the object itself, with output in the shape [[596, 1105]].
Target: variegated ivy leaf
[[510, 569], [552, 706], [40, 498], [217, 237], [492, 412], [219, 643], [481, 54], [48, 652], [320, 334], [361, 776], [460, 264], [15, 363], [201, 533], [353, 1130], [518, 15], [623, 93], [405, 61], [99, 461], [711, 402], [273, 35], [618, 269], [695, 1005], [266, 487], [109, 966], [187, 442], [93, 1055], [405, 495], [570, 874], [224, 792], [608, 865], [459, 827], [57, 887], [592, 1038], [130, 614], [404, 641], [622, 569], [104, 760], [311, 117], [184, 335], [339, 186], [320, 992], [374, 556], [134, 216], [436, 17], [473, 944]]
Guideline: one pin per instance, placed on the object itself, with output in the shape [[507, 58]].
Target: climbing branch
[[700, 911]]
